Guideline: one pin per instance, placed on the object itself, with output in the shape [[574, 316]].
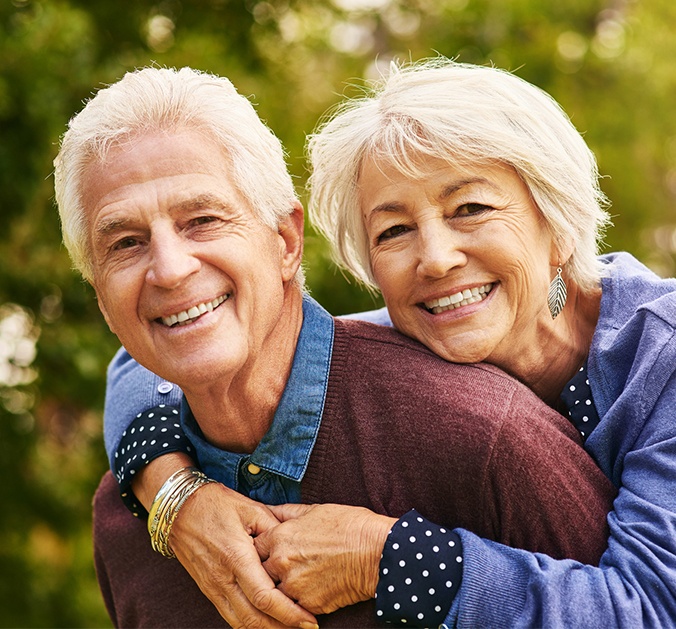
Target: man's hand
[[213, 537], [324, 556]]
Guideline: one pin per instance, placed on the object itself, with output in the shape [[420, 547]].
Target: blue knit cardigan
[[632, 374]]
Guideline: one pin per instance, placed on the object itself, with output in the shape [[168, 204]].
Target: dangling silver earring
[[557, 294]]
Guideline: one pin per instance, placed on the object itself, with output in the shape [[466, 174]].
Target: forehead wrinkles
[[200, 202]]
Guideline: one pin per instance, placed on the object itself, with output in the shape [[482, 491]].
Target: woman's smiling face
[[462, 256]]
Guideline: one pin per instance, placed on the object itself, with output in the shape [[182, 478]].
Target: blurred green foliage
[[610, 63]]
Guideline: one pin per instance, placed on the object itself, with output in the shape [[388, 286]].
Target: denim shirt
[[272, 473]]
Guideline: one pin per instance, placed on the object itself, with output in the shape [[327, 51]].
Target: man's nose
[[439, 251], [172, 260]]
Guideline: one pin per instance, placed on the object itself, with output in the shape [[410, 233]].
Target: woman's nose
[[439, 252], [171, 261]]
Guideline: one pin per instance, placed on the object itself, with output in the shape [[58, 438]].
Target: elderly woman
[[466, 196]]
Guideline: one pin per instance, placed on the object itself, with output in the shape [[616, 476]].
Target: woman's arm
[[131, 390], [634, 584], [540, 491]]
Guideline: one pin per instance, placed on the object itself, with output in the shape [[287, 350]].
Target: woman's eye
[[203, 220], [392, 232], [471, 209]]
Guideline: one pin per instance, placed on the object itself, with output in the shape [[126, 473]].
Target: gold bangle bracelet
[[168, 502]]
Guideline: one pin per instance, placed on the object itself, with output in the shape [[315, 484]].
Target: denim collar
[[286, 447]]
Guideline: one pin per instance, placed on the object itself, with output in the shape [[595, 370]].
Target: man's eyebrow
[[200, 202], [108, 226]]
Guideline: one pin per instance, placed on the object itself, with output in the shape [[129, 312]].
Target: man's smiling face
[[187, 276]]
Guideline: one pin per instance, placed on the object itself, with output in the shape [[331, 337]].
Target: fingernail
[[308, 625]]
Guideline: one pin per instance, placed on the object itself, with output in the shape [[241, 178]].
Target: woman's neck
[[561, 348]]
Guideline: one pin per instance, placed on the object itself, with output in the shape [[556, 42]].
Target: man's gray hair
[[462, 114], [169, 100]]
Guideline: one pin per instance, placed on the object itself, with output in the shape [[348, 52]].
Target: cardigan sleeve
[[131, 390], [634, 584]]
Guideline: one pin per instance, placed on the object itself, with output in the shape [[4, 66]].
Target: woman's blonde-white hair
[[168, 100], [462, 114]]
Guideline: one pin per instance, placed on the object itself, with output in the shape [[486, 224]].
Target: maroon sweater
[[466, 445]]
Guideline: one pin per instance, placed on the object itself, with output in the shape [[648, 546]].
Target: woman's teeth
[[186, 316], [463, 298]]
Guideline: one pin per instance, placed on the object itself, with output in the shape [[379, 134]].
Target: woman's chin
[[457, 350]]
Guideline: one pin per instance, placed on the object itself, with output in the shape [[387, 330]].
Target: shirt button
[[253, 469], [165, 387]]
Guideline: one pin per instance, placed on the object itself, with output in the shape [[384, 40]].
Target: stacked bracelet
[[168, 502]]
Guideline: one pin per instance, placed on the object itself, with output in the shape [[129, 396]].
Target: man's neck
[[234, 413]]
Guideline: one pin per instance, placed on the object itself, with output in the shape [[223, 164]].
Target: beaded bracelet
[[168, 502]]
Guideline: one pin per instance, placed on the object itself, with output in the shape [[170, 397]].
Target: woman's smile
[[457, 300]]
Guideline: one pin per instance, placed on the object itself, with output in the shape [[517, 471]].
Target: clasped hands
[[276, 566]]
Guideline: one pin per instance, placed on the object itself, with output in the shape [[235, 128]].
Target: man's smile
[[194, 312]]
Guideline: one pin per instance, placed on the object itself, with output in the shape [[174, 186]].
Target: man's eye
[[125, 243], [392, 232]]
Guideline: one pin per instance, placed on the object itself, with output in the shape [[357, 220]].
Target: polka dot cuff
[[420, 573], [152, 433]]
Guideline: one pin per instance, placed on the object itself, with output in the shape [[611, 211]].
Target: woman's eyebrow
[[451, 189], [448, 191], [387, 206]]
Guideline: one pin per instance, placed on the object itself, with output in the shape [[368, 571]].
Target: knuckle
[[263, 600], [254, 622], [234, 558]]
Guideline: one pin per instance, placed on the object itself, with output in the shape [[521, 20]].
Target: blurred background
[[609, 63]]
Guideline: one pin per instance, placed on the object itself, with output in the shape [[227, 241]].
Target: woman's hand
[[213, 538], [324, 556]]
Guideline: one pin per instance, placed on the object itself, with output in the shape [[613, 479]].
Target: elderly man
[[176, 205]]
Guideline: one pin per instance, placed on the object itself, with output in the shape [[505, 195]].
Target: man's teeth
[[186, 316], [463, 298]]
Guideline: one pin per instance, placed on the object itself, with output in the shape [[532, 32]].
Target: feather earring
[[557, 294]]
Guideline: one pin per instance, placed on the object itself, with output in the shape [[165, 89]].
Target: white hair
[[458, 113], [162, 99]]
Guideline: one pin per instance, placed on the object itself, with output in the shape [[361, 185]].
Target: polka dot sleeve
[[153, 433], [420, 573], [577, 396]]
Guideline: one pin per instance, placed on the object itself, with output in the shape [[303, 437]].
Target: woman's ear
[[291, 231], [562, 249]]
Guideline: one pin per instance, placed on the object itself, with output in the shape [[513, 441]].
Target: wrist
[[375, 532], [150, 479], [168, 502]]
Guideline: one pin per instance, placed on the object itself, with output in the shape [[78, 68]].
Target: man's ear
[[291, 231]]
